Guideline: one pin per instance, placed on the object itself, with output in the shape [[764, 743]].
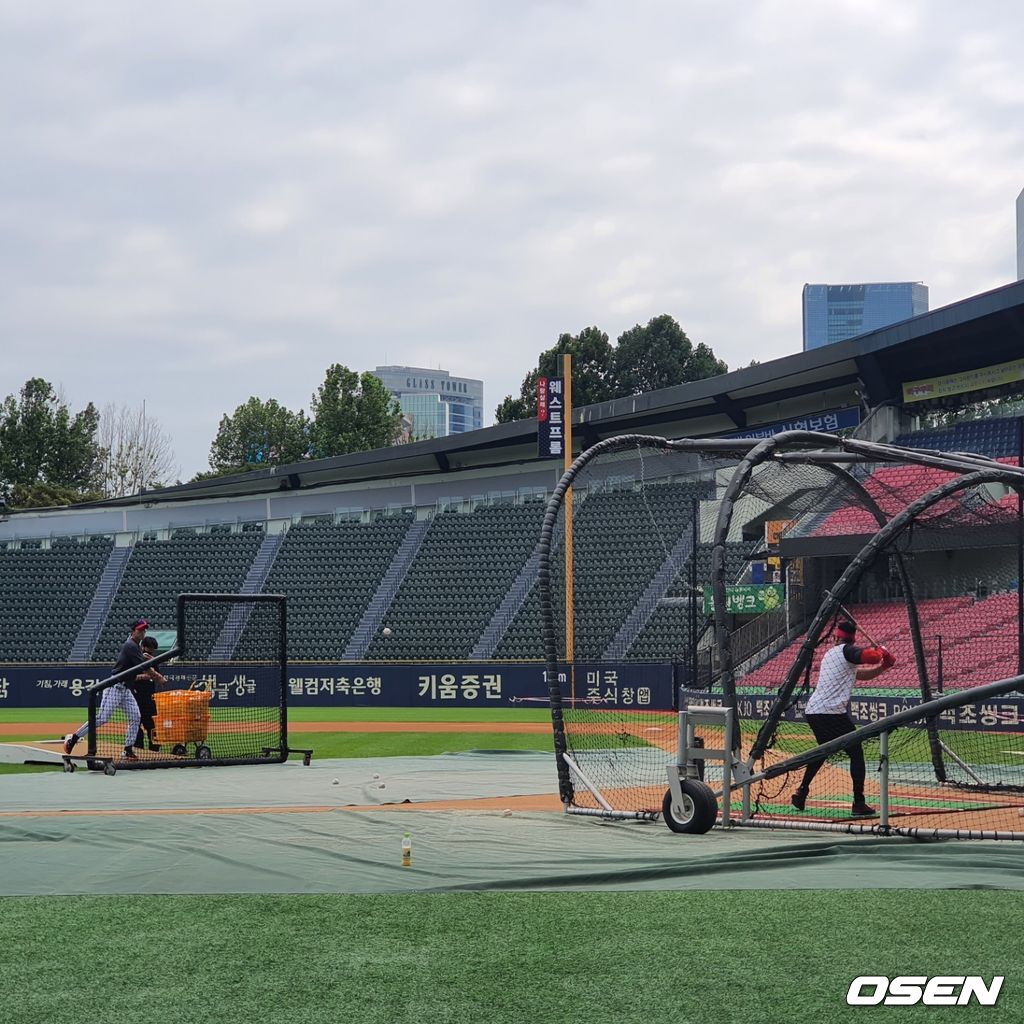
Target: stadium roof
[[980, 331]]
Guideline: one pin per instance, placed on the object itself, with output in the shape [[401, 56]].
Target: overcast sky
[[200, 202]]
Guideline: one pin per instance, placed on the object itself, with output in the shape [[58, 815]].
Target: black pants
[[829, 727], [147, 714]]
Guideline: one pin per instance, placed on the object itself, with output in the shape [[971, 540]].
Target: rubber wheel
[[203, 753], [698, 812], [109, 769], [179, 750]]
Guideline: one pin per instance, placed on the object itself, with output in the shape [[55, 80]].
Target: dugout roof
[[868, 370]]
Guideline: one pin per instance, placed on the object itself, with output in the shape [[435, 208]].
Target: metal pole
[[570, 633], [693, 592], [883, 781], [282, 654], [595, 792], [91, 718], [785, 598], [727, 771]]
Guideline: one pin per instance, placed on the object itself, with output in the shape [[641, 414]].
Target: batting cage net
[[922, 550], [882, 779], [201, 703], [626, 558]]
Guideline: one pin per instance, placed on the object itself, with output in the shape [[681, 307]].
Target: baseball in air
[[335, 782], [507, 813], [386, 631]]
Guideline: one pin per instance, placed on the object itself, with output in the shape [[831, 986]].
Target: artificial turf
[[357, 744], [467, 958], [25, 769], [414, 744]]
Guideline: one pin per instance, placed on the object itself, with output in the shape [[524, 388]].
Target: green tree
[[352, 412], [591, 365], [659, 355], [76, 455], [47, 454], [648, 358], [516, 408], [46, 495], [256, 435]]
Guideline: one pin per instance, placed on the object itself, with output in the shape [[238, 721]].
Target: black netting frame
[[790, 442], [258, 735], [882, 542], [926, 714], [547, 549], [807, 447]]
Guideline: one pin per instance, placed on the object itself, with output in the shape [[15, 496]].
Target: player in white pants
[[114, 697], [118, 695]]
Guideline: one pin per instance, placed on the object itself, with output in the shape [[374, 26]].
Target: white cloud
[[459, 182], [268, 216]]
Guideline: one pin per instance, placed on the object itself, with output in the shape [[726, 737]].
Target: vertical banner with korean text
[[550, 418]]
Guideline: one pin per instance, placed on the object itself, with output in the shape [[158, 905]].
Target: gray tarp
[[197, 843]]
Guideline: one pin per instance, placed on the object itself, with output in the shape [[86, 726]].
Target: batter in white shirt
[[828, 710]]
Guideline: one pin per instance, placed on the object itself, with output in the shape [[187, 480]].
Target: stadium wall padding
[[638, 686], [642, 686]]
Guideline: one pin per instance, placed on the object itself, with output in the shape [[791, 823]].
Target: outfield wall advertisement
[[463, 685], [1005, 714], [623, 686]]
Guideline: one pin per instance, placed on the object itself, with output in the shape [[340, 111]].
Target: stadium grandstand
[[426, 552]]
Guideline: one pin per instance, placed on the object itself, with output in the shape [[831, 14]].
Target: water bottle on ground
[[407, 851]]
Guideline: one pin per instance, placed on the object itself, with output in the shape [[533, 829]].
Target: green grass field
[[413, 744], [908, 745], [353, 744], [467, 958]]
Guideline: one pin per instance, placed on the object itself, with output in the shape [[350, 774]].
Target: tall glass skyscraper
[[835, 312], [1020, 236], [434, 402]]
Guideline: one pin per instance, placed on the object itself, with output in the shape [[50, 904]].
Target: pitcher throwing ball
[[828, 710], [118, 695]]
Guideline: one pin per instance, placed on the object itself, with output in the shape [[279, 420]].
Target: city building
[[434, 403], [1020, 236], [835, 312]]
